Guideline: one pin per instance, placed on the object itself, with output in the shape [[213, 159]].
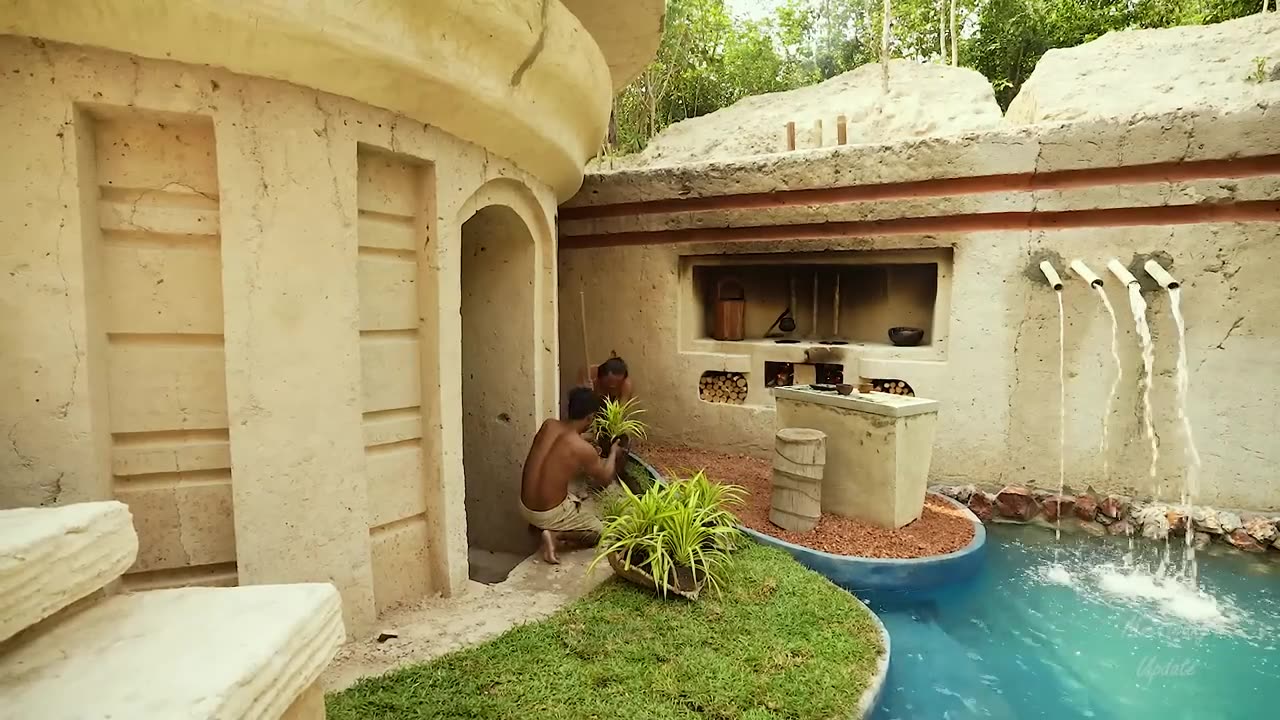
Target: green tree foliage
[[709, 59]]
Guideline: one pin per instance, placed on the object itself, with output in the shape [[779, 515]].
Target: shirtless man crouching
[[560, 454]]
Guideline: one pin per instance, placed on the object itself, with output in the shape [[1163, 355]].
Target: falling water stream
[[1105, 448], [1139, 308], [1192, 454], [1062, 415], [1056, 572]]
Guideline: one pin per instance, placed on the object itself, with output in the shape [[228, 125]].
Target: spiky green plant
[[682, 524], [619, 419]]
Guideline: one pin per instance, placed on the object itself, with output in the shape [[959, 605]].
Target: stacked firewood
[[723, 387], [893, 387]]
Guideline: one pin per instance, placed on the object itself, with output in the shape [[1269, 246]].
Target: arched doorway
[[499, 413]]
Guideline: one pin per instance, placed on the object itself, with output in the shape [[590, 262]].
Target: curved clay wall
[[234, 303]]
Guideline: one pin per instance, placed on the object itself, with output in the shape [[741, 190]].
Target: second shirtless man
[[559, 455]]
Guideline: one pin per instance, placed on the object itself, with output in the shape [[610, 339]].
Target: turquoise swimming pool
[[1099, 637]]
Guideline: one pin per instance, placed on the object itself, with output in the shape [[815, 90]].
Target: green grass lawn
[[781, 642]]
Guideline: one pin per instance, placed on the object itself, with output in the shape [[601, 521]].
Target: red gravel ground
[[940, 529]]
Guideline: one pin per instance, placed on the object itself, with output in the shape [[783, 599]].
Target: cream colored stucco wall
[[997, 373], [235, 303]]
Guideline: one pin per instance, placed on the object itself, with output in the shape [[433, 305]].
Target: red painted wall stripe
[[1251, 211], [1024, 182]]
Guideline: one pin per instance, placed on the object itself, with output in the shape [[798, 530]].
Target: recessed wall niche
[[831, 298], [723, 387]]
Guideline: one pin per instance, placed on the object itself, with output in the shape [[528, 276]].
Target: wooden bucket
[[800, 454], [731, 308]]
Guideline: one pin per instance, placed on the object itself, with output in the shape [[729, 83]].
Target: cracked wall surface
[[193, 282], [1200, 190]]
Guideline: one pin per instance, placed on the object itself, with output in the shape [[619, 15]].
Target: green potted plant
[[618, 420], [674, 538]]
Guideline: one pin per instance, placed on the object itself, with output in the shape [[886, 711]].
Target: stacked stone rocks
[[1120, 515]]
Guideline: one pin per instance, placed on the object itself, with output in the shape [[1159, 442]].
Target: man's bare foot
[[549, 547]]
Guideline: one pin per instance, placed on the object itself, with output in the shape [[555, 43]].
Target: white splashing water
[[1189, 484], [1169, 596], [1105, 447], [1062, 415], [1139, 308]]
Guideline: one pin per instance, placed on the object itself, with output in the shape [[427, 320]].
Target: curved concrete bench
[[185, 654], [53, 557], [890, 574]]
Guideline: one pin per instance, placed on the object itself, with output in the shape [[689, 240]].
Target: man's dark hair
[[583, 403], [612, 366]]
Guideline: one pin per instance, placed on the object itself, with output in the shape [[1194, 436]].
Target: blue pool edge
[[889, 574], [875, 686]]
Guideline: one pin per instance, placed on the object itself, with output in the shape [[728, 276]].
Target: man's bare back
[[557, 456]]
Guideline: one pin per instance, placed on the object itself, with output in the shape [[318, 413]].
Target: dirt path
[[436, 626]]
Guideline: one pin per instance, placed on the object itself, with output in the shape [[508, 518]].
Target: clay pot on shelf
[[906, 336], [844, 389]]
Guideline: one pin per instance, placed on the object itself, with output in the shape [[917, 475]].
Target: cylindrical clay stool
[[798, 458]]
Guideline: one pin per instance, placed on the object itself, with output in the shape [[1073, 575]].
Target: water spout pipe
[[1160, 275], [1083, 272], [1122, 274], [1051, 275]]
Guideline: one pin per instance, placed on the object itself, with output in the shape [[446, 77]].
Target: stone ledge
[[52, 557], [875, 403], [189, 654]]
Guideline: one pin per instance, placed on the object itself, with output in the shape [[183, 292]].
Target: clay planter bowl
[[844, 389], [685, 585], [906, 336]]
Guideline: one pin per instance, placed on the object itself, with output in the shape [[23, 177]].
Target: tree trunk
[[955, 37], [800, 454], [884, 45], [942, 30]]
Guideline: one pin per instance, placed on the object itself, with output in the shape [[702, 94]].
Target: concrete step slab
[[183, 654], [52, 557]]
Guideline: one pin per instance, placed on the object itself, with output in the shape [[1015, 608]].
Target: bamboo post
[[842, 130], [800, 454], [791, 136]]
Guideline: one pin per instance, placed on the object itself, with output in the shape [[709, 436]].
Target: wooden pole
[[842, 130], [586, 350], [817, 132], [791, 136], [815, 303], [835, 311]]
